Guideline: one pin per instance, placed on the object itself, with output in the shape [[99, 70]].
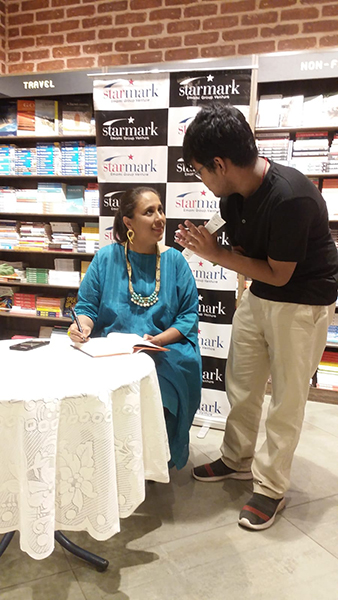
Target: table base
[[100, 563]]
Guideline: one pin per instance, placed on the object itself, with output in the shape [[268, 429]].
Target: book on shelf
[[8, 118], [291, 111], [48, 158], [26, 117], [330, 195], [76, 117], [46, 117], [84, 267], [313, 111], [269, 110], [330, 109], [115, 344], [74, 199], [70, 302]]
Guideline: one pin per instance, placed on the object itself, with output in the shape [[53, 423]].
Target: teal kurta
[[105, 298]]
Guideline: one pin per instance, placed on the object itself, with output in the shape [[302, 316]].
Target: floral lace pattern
[[79, 462]]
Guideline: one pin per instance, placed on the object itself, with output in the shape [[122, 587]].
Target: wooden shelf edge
[[4, 313]]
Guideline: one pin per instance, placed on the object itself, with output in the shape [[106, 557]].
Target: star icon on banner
[[210, 78], [203, 193], [200, 298], [131, 120], [200, 264], [131, 157], [131, 81]]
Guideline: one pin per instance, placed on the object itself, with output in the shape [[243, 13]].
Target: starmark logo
[[125, 129], [210, 310], [196, 201], [118, 164], [112, 199], [203, 274], [210, 343], [182, 168], [126, 90], [183, 125], [196, 87], [108, 233]]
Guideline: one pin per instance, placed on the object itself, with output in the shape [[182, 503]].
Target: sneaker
[[218, 471], [260, 512]]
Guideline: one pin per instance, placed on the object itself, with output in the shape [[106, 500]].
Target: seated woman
[[138, 286]]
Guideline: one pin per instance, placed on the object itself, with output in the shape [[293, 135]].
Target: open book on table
[[117, 343]]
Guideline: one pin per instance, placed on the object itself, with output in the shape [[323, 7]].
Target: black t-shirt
[[286, 219]]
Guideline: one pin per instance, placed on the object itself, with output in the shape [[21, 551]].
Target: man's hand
[[198, 240]]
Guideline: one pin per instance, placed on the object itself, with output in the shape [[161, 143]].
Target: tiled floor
[[184, 542]]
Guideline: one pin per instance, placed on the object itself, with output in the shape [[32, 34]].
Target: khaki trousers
[[287, 341]]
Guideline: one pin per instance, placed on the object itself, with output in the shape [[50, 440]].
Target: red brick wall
[[55, 35]]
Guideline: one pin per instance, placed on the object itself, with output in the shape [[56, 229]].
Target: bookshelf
[[297, 125], [49, 208]]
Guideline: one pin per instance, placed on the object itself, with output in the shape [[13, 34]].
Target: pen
[[76, 319]]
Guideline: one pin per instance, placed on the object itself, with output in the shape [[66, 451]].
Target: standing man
[[277, 224]]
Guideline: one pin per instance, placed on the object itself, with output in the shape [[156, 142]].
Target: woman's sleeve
[[89, 296], [186, 320]]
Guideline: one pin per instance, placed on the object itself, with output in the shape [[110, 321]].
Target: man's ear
[[220, 163]]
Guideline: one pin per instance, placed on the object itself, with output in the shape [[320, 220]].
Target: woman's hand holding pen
[[80, 330]]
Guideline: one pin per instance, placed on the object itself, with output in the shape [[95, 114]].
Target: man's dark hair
[[219, 130]]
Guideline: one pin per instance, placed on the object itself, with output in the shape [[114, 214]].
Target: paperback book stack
[[52, 195], [25, 161], [327, 373], [33, 236], [27, 201], [332, 334], [90, 158], [275, 146], [49, 307], [91, 203], [36, 275], [333, 155], [72, 158], [64, 236], [48, 158], [7, 159], [64, 278], [24, 303], [89, 239], [310, 152], [9, 236]]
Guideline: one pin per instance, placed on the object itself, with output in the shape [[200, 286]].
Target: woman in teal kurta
[[105, 299]]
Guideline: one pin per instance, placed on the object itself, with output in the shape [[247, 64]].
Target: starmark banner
[[141, 120]]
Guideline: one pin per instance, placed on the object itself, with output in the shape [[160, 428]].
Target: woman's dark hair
[[219, 130], [127, 206]]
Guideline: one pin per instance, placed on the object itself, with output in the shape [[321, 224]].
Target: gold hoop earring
[[130, 235]]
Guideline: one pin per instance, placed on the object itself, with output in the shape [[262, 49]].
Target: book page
[[116, 343]]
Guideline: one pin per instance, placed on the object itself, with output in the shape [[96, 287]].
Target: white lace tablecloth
[[79, 436]]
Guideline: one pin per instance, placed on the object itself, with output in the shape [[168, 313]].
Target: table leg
[[100, 563], [5, 541]]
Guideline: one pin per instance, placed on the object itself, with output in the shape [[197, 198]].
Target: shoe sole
[[244, 522], [237, 475]]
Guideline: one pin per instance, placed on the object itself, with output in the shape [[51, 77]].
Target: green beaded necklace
[[145, 301]]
